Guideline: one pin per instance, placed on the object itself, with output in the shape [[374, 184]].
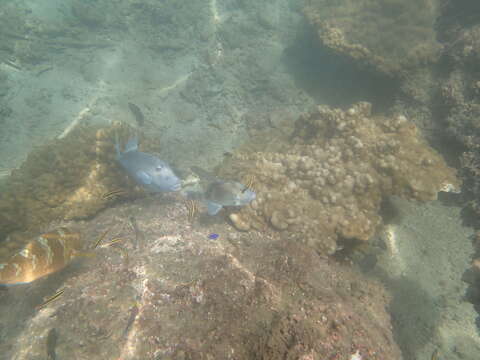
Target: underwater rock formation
[[66, 179], [460, 99], [460, 95], [387, 36], [182, 295], [329, 181]]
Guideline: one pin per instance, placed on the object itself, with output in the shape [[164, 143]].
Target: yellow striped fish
[[43, 255], [50, 299], [192, 209], [250, 182], [114, 194]]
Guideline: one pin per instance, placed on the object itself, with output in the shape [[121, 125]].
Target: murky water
[[321, 133]]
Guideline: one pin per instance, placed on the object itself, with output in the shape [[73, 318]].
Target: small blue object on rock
[[213, 236]]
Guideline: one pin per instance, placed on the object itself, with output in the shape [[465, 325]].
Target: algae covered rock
[[66, 179], [460, 96], [386, 35], [329, 181], [181, 295]]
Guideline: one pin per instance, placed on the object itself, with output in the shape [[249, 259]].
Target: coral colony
[[331, 181]]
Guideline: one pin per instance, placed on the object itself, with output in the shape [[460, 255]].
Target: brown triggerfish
[[43, 255], [220, 193]]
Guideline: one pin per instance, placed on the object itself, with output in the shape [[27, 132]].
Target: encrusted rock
[[277, 221], [354, 34], [238, 222], [66, 178], [328, 181]]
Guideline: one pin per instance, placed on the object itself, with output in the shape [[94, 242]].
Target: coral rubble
[[329, 181]]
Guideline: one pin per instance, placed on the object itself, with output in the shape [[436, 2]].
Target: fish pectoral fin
[[144, 177], [132, 144], [213, 208]]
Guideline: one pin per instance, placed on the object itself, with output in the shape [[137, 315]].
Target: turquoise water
[[197, 81]]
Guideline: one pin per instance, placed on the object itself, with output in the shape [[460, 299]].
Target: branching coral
[[330, 182]]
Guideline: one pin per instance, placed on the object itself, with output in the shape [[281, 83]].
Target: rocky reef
[[388, 36], [460, 95], [319, 185], [66, 179], [167, 290], [180, 295], [328, 181], [435, 60]]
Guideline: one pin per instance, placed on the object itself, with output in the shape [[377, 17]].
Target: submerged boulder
[[387, 36], [181, 295], [328, 181]]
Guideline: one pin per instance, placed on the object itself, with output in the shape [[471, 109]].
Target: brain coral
[[328, 182], [388, 35]]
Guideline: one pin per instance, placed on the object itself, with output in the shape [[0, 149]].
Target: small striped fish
[[250, 182], [111, 195], [192, 209], [43, 255]]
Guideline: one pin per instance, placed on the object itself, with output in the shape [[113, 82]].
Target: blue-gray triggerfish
[[220, 193], [147, 170]]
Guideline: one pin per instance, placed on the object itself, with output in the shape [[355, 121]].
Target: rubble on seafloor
[[388, 36], [174, 293], [327, 183]]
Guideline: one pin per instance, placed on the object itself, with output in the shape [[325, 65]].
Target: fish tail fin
[[132, 144], [213, 208]]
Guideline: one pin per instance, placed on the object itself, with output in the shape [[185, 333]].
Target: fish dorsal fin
[[213, 208], [144, 177], [132, 144]]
